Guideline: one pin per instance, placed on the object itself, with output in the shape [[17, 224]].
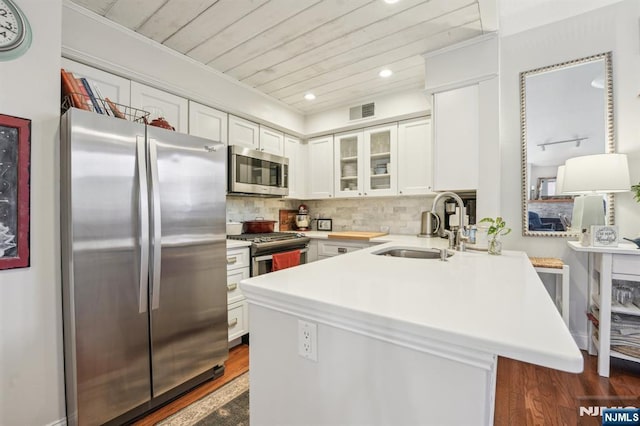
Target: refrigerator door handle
[[143, 212], [156, 238], [214, 147]]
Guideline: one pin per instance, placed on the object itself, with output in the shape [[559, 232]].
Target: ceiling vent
[[362, 111]]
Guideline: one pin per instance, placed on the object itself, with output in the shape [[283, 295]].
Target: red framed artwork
[[15, 152]]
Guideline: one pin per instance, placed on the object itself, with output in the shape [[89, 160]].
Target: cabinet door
[[158, 103], [271, 141], [456, 140], [243, 132], [415, 174], [295, 151], [207, 122], [348, 163], [380, 161], [320, 161], [117, 89]]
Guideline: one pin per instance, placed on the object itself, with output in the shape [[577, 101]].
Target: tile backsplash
[[401, 214]]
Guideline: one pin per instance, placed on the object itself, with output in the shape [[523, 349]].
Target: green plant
[[497, 228], [636, 190]]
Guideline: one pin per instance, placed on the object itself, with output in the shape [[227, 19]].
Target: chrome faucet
[[457, 238]]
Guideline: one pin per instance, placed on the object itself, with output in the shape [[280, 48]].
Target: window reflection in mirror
[[566, 111]]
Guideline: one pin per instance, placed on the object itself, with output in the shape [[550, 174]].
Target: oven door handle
[[270, 256]]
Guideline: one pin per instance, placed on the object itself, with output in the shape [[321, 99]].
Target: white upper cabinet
[[111, 86], [456, 139], [320, 166], [415, 173], [365, 162], [172, 108], [349, 164], [244, 132], [271, 141], [380, 160], [207, 122], [296, 152]]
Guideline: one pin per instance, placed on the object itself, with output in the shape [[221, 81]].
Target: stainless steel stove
[[263, 246]]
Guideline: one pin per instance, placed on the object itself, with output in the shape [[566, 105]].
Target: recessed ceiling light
[[385, 73], [391, 1], [309, 96]]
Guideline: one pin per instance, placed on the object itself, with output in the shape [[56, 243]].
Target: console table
[[608, 264]]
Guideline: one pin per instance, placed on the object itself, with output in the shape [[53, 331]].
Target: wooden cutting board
[[356, 235]]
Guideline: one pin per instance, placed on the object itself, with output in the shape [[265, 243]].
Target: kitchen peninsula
[[397, 340]]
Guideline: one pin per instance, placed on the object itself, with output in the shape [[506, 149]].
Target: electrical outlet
[[308, 340]]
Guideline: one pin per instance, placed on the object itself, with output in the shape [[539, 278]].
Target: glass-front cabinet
[[380, 151], [365, 162], [348, 150]]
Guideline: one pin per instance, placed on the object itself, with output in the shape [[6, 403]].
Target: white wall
[[89, 38], [391, 107], [613, 28], [31, 364]]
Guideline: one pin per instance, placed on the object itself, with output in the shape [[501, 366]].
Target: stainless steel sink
[[412, 252]]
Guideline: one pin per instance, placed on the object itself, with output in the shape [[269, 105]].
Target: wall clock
[[15, 31]]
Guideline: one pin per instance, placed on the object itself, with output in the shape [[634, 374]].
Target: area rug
[[227, 406]]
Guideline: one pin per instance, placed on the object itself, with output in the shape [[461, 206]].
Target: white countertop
[[494, 304], [622, 248]]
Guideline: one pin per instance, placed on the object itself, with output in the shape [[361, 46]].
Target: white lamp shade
[[599, 173], [560, 181]]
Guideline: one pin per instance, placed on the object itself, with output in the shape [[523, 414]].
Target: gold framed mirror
[[566, 111]]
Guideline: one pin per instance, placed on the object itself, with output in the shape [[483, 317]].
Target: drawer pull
[[233, 322], [342, 250], [232, 260], [232, 286]]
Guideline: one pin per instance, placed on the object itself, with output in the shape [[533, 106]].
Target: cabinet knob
[[232, 286], [359, 193], [233, 322], [231, 260], [400, 192]]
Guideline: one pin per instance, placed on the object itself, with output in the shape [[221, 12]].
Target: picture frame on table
[[604, 236], [15, 163]]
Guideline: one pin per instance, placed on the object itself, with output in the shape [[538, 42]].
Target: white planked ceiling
[[286, 48]]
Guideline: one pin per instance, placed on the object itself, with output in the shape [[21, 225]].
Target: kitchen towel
[[285, 260]]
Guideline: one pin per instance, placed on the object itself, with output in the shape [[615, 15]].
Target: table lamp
[[590, 176]]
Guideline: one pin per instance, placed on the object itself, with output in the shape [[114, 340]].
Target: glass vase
[[495, 246]]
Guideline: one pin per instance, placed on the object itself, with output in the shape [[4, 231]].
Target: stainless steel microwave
[[256, 172]]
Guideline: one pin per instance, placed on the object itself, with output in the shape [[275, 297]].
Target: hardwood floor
[[526, 394], [236, 365], [531, 395]]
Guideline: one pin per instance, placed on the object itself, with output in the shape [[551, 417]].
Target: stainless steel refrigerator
[[144, 272]]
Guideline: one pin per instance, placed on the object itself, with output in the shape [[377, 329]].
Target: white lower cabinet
[[312, 253], [238, 311], [333, 247], [238, 320]]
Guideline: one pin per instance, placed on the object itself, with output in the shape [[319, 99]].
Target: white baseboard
[[582, 340]]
